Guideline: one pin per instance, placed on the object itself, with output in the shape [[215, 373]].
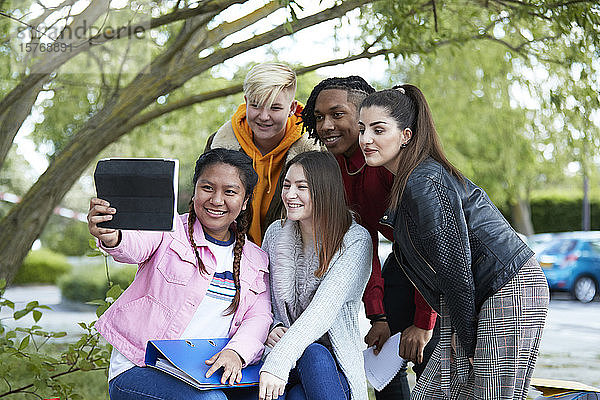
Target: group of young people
[[315, 185]]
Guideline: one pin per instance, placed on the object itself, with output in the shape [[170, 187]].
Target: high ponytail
[[407, 105]]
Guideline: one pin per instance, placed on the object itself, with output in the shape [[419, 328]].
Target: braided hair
[[356, 87], [249, 178]]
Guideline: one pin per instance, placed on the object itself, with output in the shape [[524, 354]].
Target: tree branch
[[49, 64], [237, 88], [435, 18], [183, 14], [193, 67], [41, 69], [24, 388], [225, 29], [551, 5]]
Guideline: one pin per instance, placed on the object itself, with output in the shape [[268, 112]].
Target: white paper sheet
[[381, 368]]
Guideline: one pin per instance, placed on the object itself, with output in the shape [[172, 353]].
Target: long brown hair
[[249, 178], [407, 105], [331, 217]]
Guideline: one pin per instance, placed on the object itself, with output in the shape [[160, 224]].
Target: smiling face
[[219, 197], [337, 121], [380, 138], [268, 123], [295, 194]]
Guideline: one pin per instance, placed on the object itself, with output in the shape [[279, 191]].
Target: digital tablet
[[142, 190]]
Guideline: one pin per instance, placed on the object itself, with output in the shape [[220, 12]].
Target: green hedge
[[66, 236], [90, 284], [42, 266], [560, 214]]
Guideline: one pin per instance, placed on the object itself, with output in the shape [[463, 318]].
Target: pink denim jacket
[[168, 287]]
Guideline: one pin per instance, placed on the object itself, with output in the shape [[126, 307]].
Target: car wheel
[[584, 289]]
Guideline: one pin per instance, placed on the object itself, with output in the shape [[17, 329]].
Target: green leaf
[[8, 303], [37, 315], [96, 302], [24, 343], [59, 334], [288, 27], [85, 365], [11, 335], [32, 304], [20, 314], [100, 310], [114, 292]]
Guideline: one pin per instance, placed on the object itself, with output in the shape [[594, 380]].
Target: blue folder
[[185, 359]]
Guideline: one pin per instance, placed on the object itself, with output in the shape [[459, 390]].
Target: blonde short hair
[[265, 81]]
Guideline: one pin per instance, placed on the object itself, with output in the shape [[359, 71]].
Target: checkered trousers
[[509, 330]]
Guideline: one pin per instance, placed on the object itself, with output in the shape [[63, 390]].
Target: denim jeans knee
[[146, 383], [319, 376]]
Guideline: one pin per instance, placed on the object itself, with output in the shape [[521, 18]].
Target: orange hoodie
[[268, 166]]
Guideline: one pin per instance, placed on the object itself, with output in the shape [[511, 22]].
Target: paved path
[[64, 316], [570, 347]]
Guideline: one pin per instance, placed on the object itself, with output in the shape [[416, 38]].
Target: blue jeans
[[397, 389], [316, 377], [147, 383]]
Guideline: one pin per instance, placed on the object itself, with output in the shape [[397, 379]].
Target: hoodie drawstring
[[270, 165]]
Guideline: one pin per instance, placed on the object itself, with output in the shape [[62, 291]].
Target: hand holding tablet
[[142, 190]]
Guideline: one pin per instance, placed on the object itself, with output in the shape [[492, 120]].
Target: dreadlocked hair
[[356, 87], [249, 178]]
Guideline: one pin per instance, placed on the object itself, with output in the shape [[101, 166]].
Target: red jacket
[[367, 193]]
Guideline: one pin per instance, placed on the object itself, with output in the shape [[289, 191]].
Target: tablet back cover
[[142, 190]]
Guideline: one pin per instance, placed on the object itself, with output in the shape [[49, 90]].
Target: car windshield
[[562, 246]]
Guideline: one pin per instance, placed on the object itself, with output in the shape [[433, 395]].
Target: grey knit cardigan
[[333, 309]]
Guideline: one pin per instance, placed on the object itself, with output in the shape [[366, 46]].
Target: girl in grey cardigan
[[320, 262]]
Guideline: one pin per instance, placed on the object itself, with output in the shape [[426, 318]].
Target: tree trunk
[[585, 212], [19, 101], [25, 221], [521, 216], [12, 120]]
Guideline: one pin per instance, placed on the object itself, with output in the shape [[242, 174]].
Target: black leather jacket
[[450, 239]]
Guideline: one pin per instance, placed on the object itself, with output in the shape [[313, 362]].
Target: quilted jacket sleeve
[[438, 231]]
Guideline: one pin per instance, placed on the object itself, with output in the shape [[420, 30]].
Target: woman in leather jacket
[[460, 253]]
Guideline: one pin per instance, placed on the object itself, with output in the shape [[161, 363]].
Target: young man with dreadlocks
[[267, 127], [331, 115]]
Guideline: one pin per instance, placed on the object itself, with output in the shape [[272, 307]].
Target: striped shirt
[[209, 320]]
